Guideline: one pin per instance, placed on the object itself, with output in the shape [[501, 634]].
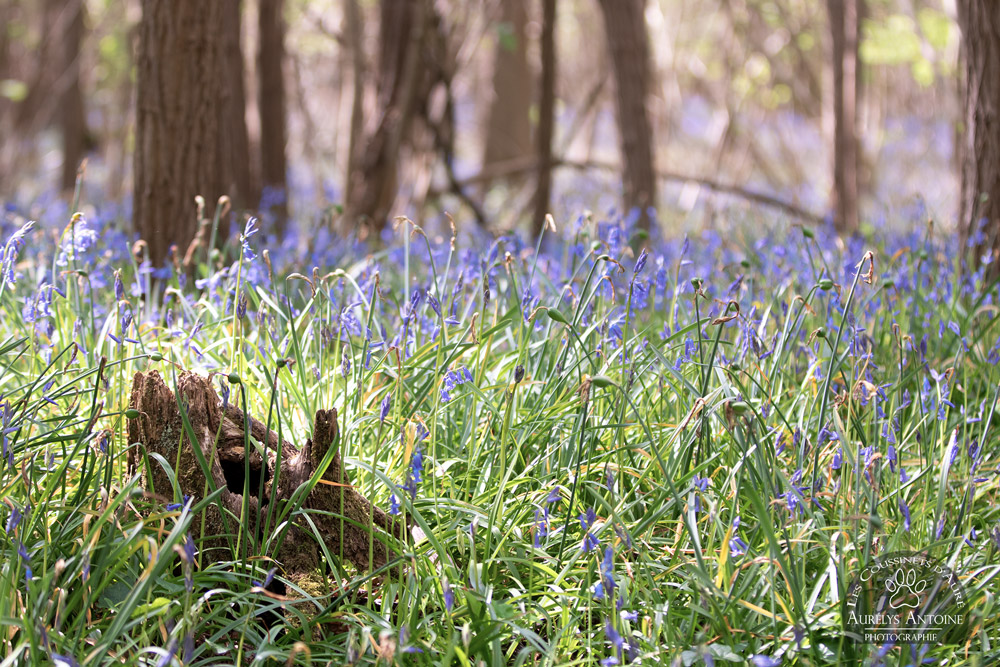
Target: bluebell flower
[[737, 547], [700, 486], [249, 230], [11, 250], [640, 263], [612, 635], [393, 505], [452, 379], [386, 404], [415, 474], [26, 557], [608, 570], [434, 304], [187, 554], [449, 595], [14, 519], [224, 389], [905, 509], [60, 660], [404, 640], [119, 287], [267, 579], [168, 655], [241, 305], [541, 526]]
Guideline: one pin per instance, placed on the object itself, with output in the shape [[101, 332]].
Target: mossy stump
[[347, 522]]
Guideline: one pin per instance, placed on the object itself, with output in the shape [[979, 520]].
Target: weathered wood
[[343, 517]]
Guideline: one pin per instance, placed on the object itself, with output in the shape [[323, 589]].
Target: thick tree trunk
[[546, 116], [181, 102], [980, 200], [245, 191], [628, 42], [508, 130], [345, 519], [844, 31], [72, 118], [273, 131]]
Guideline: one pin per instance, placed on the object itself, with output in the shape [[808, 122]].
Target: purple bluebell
[[14, 519], [415, 473], [449, 595], [384, 409], [640, 263], [249, 230], [60, 660], [267, 579], [26, 557], [613, 636]]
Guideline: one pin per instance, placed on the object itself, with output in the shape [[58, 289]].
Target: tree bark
[[181, 102], [508, 130], [546, 116], [355, 37], [273, 130], [54, 95], [347, 522], [31, 112], [979, 216], [844, 31], [628, 42], [72, 118], [407, 71], [245, 191]]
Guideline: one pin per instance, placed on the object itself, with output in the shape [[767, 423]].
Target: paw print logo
[[905, 589]]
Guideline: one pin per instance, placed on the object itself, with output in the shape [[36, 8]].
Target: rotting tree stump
[[343, 517]]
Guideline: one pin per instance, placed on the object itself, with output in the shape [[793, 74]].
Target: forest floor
[[712, 450]]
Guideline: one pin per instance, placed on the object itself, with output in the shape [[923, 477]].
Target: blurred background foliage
[[739, 93]]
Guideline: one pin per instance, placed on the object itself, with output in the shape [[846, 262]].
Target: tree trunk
[[31, 112], [979, 216], [628, 42], [273, 131], [508, 134], [181, 102], [72, 118], [343, 518], [844, 31], [355, 37], [402, 87], [245, 191], [546, 116]]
